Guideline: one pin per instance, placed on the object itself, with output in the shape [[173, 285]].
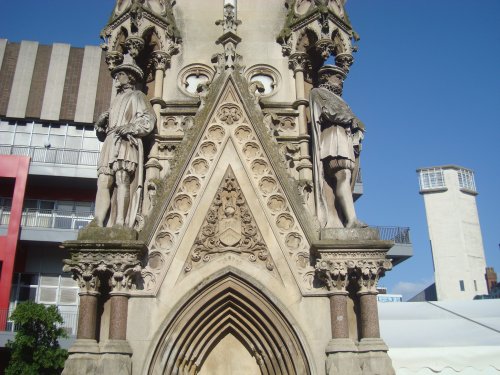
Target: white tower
[[457, 246]]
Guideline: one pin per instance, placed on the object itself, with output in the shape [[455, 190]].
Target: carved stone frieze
[[281, 125], [229, 227]]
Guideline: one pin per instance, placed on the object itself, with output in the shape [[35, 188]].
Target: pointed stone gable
[[233, 124]]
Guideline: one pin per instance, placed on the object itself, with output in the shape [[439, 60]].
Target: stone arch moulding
[[228, 305]]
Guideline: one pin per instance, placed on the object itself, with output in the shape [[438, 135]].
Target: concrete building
[[232, 126], [455, 234]]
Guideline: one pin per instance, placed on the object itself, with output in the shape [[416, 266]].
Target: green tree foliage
[[35, 349]]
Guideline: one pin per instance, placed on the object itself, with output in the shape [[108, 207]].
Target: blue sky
[[425, 81]]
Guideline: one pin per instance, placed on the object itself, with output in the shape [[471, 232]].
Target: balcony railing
[[400, 235], [70, 322], [58, 219], [53, 155]]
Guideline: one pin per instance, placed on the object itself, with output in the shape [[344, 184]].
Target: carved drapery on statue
[[336, 136], [121, 162]]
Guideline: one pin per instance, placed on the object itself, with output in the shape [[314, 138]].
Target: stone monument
[[226, 264]]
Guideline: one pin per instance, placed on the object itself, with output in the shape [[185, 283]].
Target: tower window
[[462, 286], [466, 179], [431, 179]]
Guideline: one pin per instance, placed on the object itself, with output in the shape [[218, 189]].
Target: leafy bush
[[35, 349]]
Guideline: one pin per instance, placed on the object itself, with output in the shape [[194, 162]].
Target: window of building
[[431, 179], [466, 179], [462, 286]]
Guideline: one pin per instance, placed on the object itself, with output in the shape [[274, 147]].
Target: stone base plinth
[[84, 346], [113, 363], [94, 233], [86, 357], [81, 364], [374, 358], [342, 358], [346, 234]]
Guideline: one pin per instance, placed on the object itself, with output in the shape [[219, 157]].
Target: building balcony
[[47, 225], [53, 161], [403, 248]]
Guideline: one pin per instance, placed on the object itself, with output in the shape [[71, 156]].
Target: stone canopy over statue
[[337, 134], [120, 167]]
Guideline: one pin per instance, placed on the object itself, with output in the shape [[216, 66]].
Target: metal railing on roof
[[70, 322], [59, 219], [400, 235], [53, 155]]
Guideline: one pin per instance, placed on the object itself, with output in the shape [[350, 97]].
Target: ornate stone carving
[[134, 45], [344, 61], [229, 227], [160, 60], [95, 263], [369, 271], [335, 268], [229, 22], [299, 61], [113, 59], [325, 47], [230, 114], [120, 169]]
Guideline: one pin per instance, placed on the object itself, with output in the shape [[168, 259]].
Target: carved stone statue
[[336, 135], [120, 167]]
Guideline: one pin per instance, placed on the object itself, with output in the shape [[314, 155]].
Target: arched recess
[[229, 305]]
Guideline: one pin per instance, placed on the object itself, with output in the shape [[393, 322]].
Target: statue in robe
[[120, 168], [336, 135]]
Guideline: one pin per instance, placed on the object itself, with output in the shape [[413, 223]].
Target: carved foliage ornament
[[229, 227], [336, 270], [89, 269]]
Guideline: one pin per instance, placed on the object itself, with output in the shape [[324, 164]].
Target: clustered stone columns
[[161, 61], [350, 269], [101, 269], [299, 62]]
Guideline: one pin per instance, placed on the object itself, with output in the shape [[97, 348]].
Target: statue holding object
[[336, 134], [120, 169]]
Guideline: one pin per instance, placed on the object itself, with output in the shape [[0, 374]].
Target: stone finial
[[229, 22]]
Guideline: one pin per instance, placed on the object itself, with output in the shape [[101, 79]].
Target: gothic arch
[[228, 305]]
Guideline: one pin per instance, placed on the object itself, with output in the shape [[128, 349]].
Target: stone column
[[92, 263], [341, 350], [161, 61], [299, 62], [85, 272], [373, 350]]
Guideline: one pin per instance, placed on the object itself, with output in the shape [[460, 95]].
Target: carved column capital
[[113, 59], [334, 274], [344, 61], [85, 272], [368, 272], [161, 60], [95, 263], [298, 61], [325, 48], [123, 268], [134, 45]]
